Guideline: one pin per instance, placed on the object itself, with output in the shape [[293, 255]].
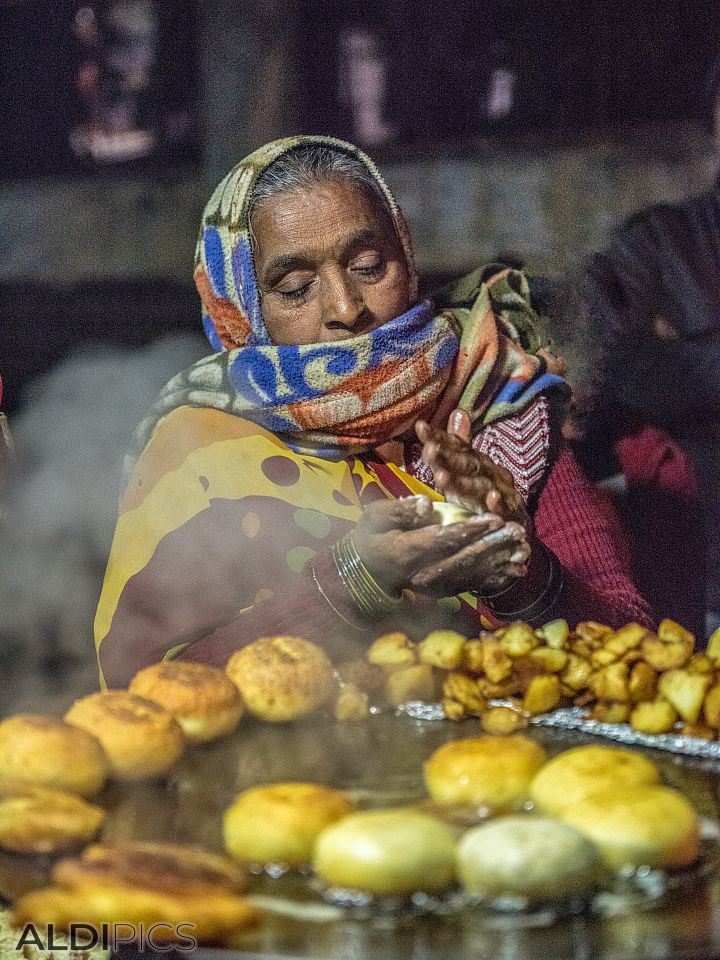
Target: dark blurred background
[[526, 129]]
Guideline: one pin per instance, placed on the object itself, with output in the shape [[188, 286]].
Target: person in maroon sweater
[[286, 483]]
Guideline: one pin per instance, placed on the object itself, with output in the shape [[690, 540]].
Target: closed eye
[[297, 293], [372, 269]]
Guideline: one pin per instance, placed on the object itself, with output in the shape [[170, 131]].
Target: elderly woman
[[285, 483]]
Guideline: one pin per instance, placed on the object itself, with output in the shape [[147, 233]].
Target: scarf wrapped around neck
[[472, 346]]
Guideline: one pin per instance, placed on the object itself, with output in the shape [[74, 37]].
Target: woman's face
[[329, 264]]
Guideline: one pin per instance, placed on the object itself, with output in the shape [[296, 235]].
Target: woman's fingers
[[447, 453], [410, 550], [459, 424], [395, 555], [484, 564], [502, 542], [407, 513], [427, 434]]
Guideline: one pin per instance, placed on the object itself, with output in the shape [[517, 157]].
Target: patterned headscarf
[[337, 398]]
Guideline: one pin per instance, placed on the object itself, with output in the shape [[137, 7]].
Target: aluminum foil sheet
[[572, 718]]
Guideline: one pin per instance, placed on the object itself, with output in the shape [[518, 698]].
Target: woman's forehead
[[327, 216]]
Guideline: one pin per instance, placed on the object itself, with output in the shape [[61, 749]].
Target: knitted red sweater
[[577, 521]]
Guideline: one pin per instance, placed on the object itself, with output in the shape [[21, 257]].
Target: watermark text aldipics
[[161, 937]]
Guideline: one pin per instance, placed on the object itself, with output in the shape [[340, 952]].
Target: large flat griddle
[[379, 760]]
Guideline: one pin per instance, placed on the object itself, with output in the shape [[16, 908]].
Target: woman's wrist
[[371, 597], [532, 597], [352, 591]]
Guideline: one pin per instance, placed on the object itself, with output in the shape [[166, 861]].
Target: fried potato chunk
[[643, 682], [519, 639], [452, 709], [503, 721], [713, 645], [577, 672], [698, 730], [712, 707], [473, 657], [664, 655], [410, 683], [603, 658], [700, 663], [550, 659], [352, 703], [610, 712], [393, 650], [611, 683], [671, 632], [653, 716], [542, 694], [627, 638], [592, 632], [464, 690], [443, 649], [555, 634], [496, 662], [685, 691]]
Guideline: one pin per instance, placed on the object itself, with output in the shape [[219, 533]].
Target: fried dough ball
[[203, 700], [281, 678], [491, 770], [188, 892], [577, 773], [533, 857], [280, 822], [638, 826], [153, 865], [386, 852], [140, 738], [49, 752], [36, 820]]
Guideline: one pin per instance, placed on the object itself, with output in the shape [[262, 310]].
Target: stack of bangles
[[542, 605], [369, 597]]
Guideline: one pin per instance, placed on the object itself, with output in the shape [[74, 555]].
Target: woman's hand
[[402, 547], [467, 477]]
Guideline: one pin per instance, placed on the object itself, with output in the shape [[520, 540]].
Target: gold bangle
[[369, 597], [332, 606]]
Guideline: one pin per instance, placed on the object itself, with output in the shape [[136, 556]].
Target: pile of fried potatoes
[[656, 682]]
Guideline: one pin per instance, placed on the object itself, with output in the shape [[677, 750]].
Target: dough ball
[[280, 822], [638, 826], [527, 856], [49, 752], [575, 774], [140, 738], [387, 852], [280, 678], [489, 770], [203, 700]]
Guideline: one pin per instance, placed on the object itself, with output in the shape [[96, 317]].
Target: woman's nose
[[343, 305]]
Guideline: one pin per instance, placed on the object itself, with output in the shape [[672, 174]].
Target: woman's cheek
[[390, 301], [292, 324]]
